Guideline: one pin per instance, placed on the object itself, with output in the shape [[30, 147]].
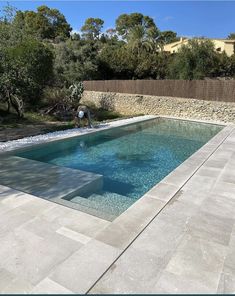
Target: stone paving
[[178, 238]]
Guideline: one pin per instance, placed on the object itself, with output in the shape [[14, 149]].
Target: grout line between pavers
[[122, 252]]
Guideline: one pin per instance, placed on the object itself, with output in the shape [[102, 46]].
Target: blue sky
[[187, 18]]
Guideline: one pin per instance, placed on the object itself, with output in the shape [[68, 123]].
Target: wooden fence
[[211, 90]]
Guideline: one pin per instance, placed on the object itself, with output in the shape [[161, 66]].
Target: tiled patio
[[178, 238]]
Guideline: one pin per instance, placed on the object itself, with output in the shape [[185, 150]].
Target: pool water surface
[[131, 159]]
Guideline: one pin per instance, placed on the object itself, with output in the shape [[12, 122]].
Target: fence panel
[[211, 90]]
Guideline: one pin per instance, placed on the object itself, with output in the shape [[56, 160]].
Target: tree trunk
[[8, 106], [17, 104]]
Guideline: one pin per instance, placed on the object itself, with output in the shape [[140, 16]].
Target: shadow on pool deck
[[46, 180]]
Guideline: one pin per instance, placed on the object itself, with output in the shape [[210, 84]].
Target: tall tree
[[92, 28], [126, 22], [139, 41], [46, 23]]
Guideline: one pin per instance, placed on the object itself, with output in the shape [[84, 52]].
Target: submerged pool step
[[108, 202]]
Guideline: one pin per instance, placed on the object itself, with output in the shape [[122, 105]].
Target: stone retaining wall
[[129, 104]]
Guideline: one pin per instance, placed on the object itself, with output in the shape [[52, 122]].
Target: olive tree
[[25, 69], [196, 60]]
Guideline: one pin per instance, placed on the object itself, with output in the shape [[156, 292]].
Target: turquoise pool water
[[132, 158]]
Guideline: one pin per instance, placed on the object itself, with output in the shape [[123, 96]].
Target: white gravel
[[39, 139]]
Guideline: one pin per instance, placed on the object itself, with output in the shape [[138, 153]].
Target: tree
[[75, 36], [231, 36], [111, 37], [11, 32], [196, 60], [76, 61], [138, 41], [120, 62], [46, 23], [167, 37], [92, 28], [126, 22], [111, 34], [226, 65], [116, 61], [232, 60], [24, 71]]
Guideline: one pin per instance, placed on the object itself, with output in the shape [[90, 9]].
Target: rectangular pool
[[131, 159]]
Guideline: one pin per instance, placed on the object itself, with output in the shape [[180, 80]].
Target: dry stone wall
[[132, 104]]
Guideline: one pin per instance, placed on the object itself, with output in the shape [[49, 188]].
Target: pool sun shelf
[[45, 180]]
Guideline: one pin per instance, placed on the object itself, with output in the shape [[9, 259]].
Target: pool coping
[[124, 230]]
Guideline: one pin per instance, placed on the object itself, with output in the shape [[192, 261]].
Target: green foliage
[[76, 91], [101, 114], [232, 61], [105, 111], [126, 22], [61, 101], [31, 63], [92, 28], [46, 23], [11, 31], [196, 60], [139, 41], [111, 36], [231, 36], [123, 62], [75, 61], [24, 70], [54, 95], [226, 65], [167, 37], [117, 61]]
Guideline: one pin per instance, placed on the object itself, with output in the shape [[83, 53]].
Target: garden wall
[[134, 104]]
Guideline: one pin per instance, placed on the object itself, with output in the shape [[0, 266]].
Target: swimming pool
[[131, 159]]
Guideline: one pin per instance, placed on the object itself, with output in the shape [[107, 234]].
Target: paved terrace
[[178, 238]]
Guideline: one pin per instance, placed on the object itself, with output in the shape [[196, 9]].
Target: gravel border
[[57, 135]]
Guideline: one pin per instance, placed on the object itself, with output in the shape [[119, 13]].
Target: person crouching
[[82, 113]]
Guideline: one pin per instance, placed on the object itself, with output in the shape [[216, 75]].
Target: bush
[[54, 95]]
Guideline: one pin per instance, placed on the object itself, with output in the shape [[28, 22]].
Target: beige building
[[220, 45]]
